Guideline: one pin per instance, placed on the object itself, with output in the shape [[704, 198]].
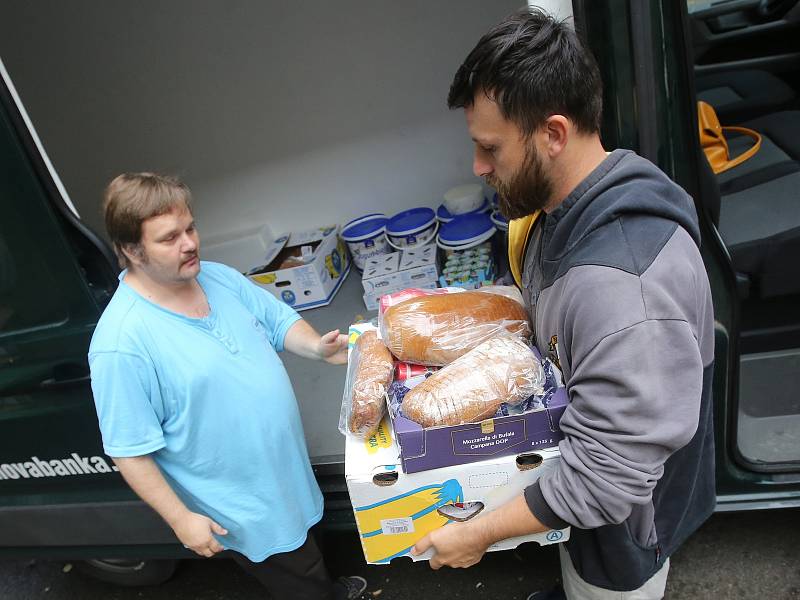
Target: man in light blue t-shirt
[[195, 406]]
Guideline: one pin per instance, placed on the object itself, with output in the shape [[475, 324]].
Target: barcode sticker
[[396, 526]]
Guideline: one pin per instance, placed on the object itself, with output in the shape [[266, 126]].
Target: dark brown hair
[[533, 66], [132, 198]]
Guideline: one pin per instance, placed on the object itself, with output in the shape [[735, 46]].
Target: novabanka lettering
[[74, 464]]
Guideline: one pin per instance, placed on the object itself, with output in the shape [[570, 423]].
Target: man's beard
[[527, 191]]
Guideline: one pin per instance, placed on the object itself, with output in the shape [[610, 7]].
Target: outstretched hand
[[333, 347]]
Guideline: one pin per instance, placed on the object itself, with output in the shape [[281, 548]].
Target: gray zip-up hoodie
[[618, 294]]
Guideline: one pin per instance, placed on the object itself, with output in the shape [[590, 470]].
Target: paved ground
[[738, 556]]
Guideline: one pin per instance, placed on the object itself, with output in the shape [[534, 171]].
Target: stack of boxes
[[388, 273], [405, 481]]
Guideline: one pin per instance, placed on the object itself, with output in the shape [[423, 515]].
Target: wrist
[[483, 531], [176, 517], [320, 351]]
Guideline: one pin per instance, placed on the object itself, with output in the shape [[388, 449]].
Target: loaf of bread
[[472, 388], [436, 330], [371, 378]]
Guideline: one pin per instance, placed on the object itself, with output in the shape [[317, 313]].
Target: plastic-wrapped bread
[[472, 388], [437, 329], [371, 378]]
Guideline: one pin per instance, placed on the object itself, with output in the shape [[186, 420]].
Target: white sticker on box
[[487, 480], [397, 526]]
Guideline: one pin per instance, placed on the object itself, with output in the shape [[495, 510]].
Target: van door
[[54, 282], [47, 315], [650, 106]]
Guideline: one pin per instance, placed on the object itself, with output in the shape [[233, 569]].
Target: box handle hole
[[460, 511], [385, 479], [525, 462]]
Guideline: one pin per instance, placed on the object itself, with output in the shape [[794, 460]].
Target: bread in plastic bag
[[437, 329], [501, 370], [369, 374]]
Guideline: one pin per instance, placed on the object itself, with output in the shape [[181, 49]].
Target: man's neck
[[183, 297], [581, 157]]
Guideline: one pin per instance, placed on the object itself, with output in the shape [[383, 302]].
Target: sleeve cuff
[[541, 510], [284, 330], [132, 451]]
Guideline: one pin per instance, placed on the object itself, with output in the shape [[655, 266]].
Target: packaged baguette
[[439, 328], [369, 375], [500, 370]]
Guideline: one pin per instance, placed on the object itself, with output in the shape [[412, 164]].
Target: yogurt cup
[[412, 228], [365, 238]]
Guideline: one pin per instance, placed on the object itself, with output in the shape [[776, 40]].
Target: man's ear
[[133, 253], [557, 131]]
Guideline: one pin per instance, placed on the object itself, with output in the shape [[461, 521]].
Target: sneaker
[[353, 587], [557, 593]]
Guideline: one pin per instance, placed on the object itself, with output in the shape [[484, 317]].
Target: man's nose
[[480, 166], [189, 243]]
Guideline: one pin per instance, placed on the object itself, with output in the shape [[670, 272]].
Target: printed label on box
[[473, 440], [397, 526]]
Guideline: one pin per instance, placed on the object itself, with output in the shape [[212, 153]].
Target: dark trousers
[[296, 575]]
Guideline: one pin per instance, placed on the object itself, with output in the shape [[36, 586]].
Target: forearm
[[145, 478], [303, 340], [513, 519]]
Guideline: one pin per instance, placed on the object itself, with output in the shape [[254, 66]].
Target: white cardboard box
[[312, 284], [397, 271], [394, 510]]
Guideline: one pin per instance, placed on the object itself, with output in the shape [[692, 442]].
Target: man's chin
[[511, 213]]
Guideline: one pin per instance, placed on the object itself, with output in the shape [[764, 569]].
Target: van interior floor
[[769, 407]]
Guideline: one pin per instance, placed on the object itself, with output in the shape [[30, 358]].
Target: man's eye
[[489, 149]]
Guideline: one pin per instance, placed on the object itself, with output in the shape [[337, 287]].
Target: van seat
[[760, 206], [742, 95]]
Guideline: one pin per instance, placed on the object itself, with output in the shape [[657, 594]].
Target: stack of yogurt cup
[[467, 252]]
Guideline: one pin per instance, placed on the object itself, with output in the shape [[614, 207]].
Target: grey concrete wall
[[284, 113]]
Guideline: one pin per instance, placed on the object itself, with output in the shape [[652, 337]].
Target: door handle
[[30, 378], [53, 383], [65, 375]]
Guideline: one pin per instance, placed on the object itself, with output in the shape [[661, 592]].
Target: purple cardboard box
[[423, 449]]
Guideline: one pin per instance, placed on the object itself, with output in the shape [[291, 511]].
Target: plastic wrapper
[[538, 400], [509, 291], [389, 300], [436, 329], [369, 374], [404, 370], [501, 370]]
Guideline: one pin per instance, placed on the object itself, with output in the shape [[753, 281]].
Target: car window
[[27, 297]]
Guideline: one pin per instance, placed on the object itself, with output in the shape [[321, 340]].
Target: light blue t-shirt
[[210, 400]]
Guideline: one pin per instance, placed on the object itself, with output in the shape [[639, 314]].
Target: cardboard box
[[435, 447], [372, 301], [397, 271], [322, 266], [394, 509]]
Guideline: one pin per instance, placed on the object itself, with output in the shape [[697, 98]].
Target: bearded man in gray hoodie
[[618, 296]]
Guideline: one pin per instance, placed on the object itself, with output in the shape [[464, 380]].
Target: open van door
[[645, 56], [60, 495]]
